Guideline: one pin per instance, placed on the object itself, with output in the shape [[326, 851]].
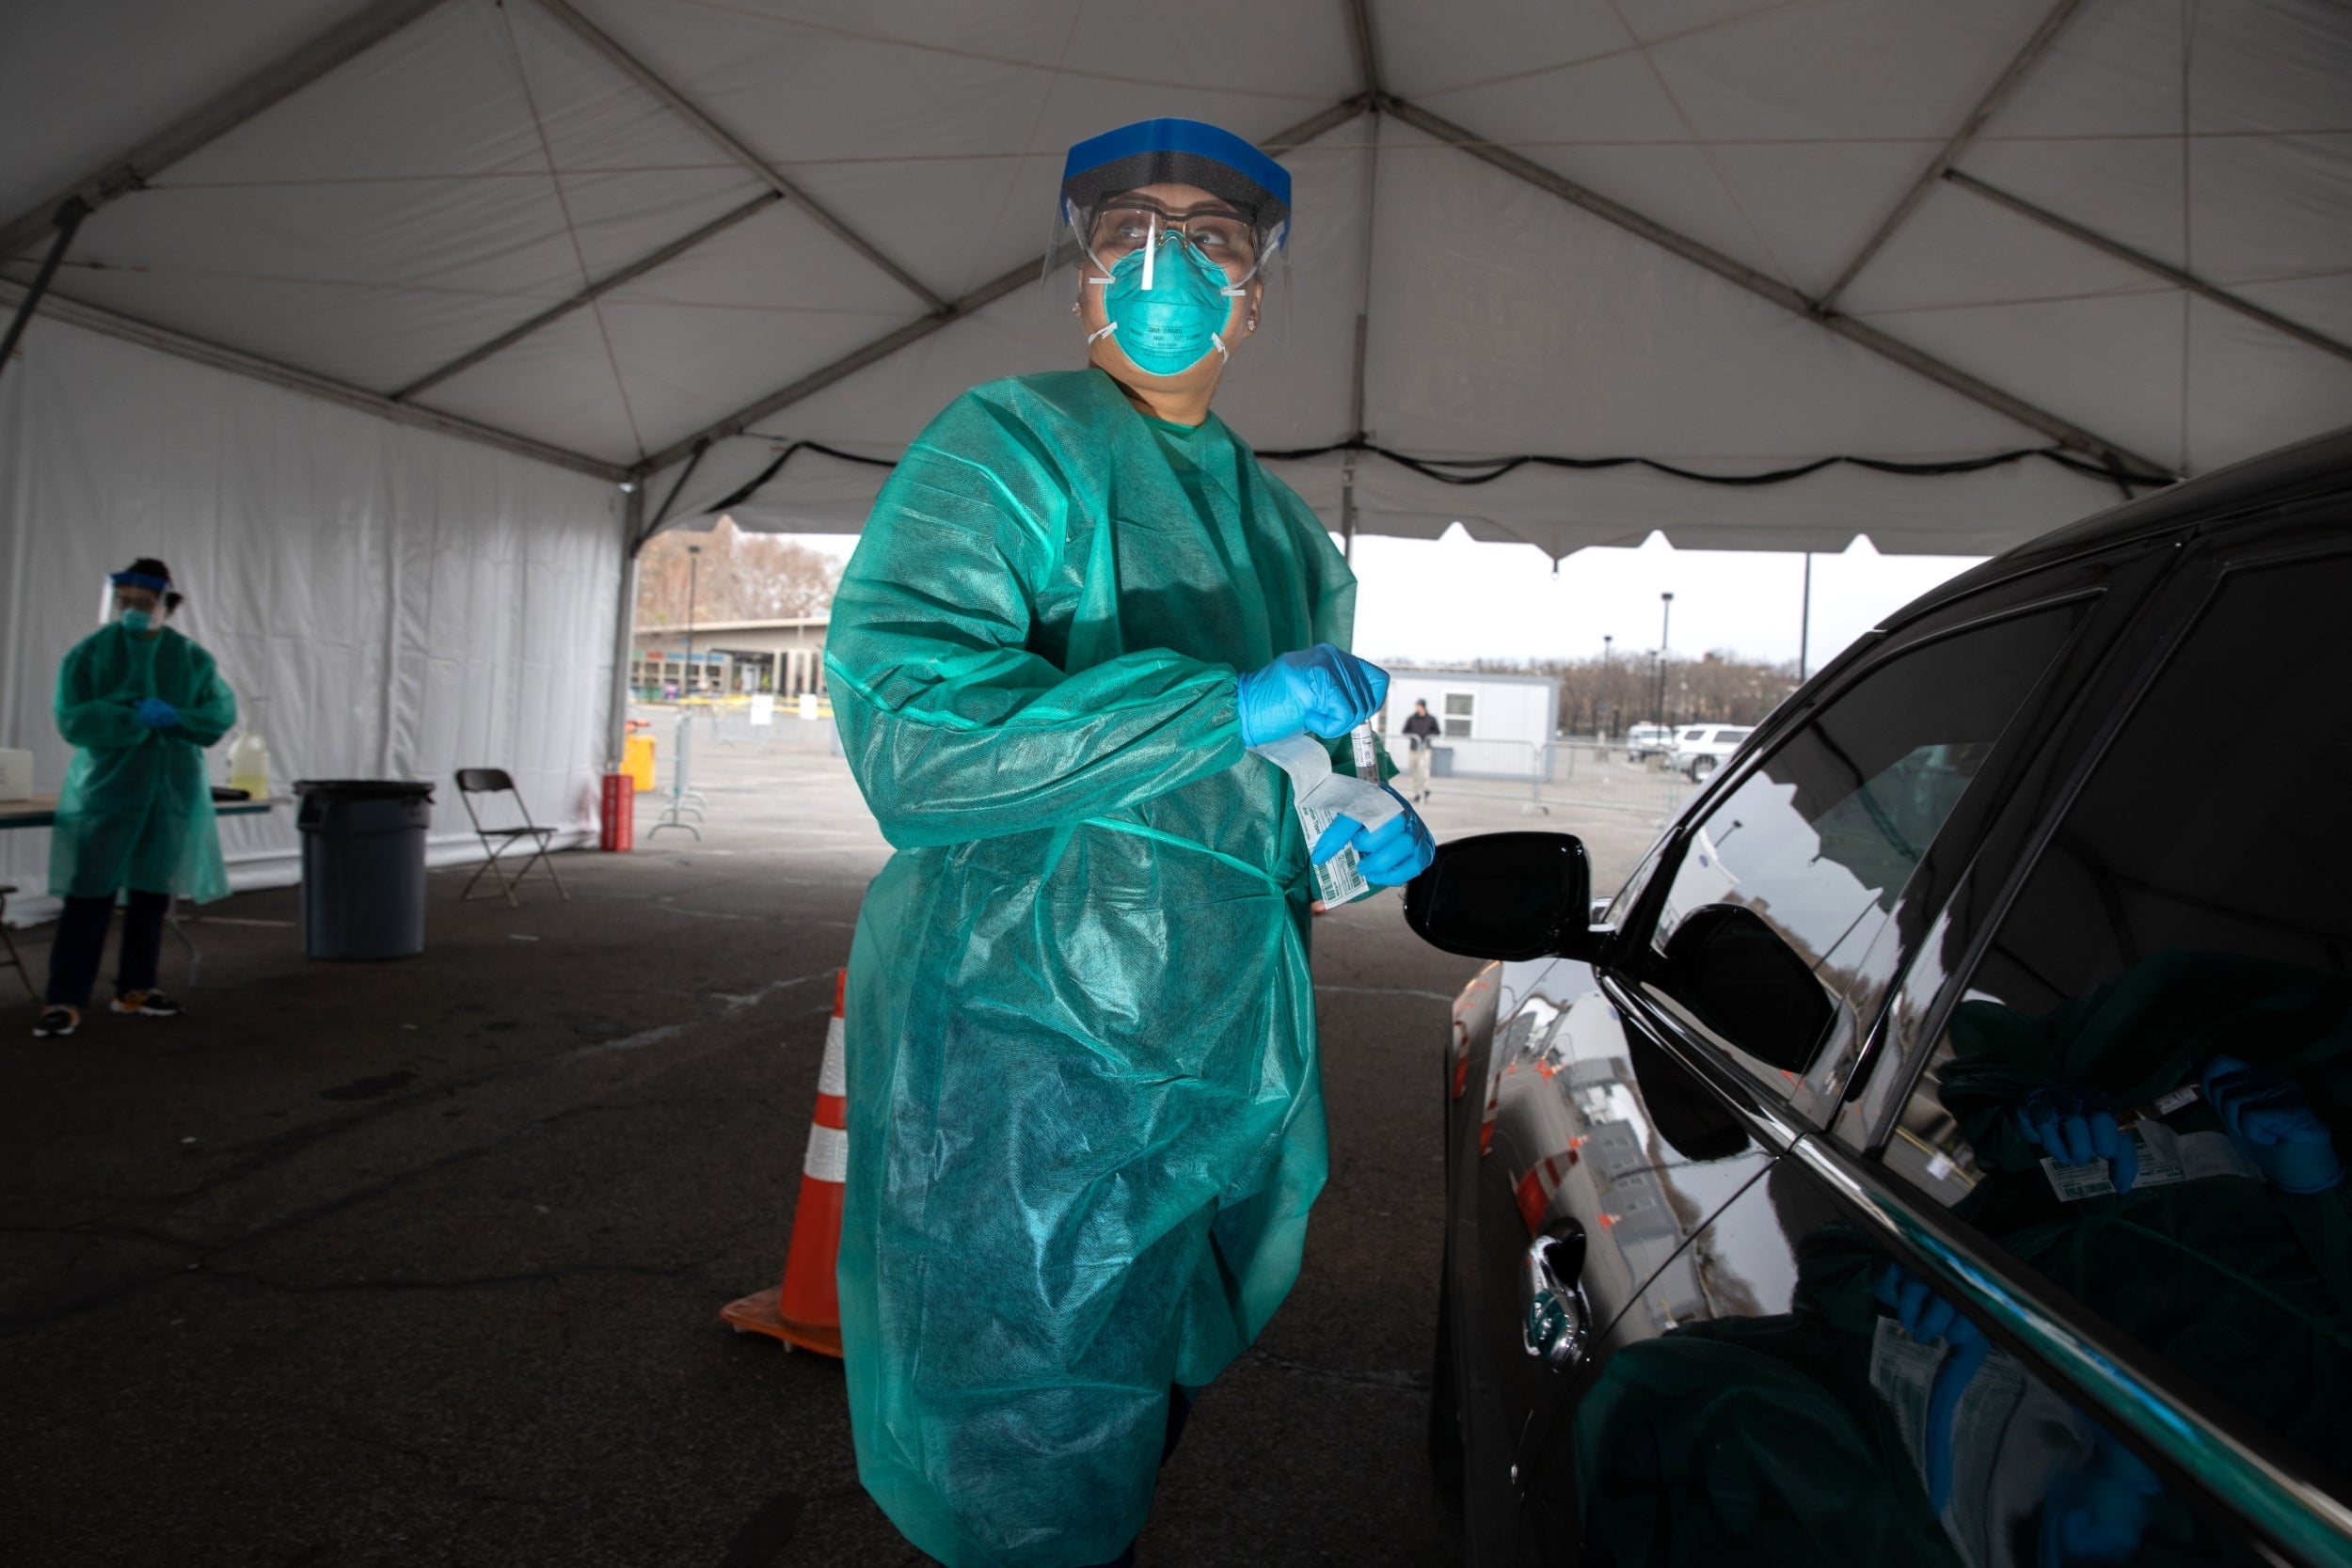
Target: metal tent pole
[[71, 212]]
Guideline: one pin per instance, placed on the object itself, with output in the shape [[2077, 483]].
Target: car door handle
[[1555, 1320]]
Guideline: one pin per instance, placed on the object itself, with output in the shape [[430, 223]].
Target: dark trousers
[[82, 940]]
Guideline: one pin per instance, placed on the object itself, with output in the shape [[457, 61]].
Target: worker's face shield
[[1088, 244], [138, 601]]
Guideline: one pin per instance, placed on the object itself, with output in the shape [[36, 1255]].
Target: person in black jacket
[[1421, 732]]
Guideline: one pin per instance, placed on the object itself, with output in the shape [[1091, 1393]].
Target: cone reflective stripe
[[805, 1309]]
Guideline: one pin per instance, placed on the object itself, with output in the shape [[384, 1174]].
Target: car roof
[[2307, 470]]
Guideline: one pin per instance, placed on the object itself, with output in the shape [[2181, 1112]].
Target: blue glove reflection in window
[[2273, 1124], [2077, 1126]]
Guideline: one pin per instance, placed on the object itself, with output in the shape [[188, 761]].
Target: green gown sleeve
[[89, 717], [955, 728], [213, 711]]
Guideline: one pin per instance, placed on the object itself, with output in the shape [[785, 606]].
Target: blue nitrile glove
[[2098, 1512], [156, 714], [1390, 855], [2077, 1126], [2273, 1124], [1319, 689], [1930, 1317], [1927, 1316]]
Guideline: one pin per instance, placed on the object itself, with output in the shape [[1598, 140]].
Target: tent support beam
[[1917, 360], [2148, 263], [70, 219], [89, 317], [1986, 107], [1365, 40], [914, 331], [271, 85], [727, 142], [595, 290], [625, 626]]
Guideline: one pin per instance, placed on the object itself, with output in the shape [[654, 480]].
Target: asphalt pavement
[[419, 1262]]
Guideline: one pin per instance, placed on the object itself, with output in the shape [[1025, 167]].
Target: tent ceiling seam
[[2053, 22], [274, 82], [595, 290], [571, 230], [1732, 270], [238, 362], [2178, 277], [726, 141]]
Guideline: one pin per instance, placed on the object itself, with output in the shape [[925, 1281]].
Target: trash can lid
[[366, 789]]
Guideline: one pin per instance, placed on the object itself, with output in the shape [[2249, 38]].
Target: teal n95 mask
[[1167, 305]]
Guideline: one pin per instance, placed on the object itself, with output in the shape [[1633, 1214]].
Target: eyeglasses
[[1123, 227]]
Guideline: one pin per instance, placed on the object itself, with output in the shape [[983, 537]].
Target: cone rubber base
[[760, 1313]]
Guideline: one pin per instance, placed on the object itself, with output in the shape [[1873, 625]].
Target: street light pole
[[1805, 623], [693, 559], [1665, 641]]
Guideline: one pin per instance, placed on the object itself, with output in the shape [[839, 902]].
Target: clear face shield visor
[[1095, 243]]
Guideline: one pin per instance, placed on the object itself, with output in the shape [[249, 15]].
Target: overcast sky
[[1446, 600]]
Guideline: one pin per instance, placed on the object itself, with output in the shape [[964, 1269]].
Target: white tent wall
[[386, 602]]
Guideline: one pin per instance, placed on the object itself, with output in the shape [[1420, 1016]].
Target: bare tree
[[738, 577]]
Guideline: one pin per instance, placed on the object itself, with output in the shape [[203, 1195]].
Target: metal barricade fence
[[1569, 771], [1582, 771]]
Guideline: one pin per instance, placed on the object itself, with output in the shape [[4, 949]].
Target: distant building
[[1491, 726], [730, 657]]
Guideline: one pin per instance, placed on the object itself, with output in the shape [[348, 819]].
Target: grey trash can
[[363, 867], [1442, 762]]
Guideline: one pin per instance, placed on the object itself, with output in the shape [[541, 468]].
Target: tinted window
[[1815, 845], [1785, 1392], [2195, 904]]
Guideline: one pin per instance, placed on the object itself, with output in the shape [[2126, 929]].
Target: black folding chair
[[498, 841], [8, 944]]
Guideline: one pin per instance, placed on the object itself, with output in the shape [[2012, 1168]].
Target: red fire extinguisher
[[616, 827]]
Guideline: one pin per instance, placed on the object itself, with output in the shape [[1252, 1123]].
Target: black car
[[1930, 1154]]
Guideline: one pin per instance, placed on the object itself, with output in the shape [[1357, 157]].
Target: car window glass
[[2167, 1007], [1786, 1391], [1787, 882]]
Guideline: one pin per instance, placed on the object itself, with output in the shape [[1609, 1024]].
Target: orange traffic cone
[[805, 1309]]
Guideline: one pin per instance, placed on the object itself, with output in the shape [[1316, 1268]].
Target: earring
[[1073, 307]]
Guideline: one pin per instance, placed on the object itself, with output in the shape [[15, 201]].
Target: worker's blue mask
[[136, 619], [1167, 305]]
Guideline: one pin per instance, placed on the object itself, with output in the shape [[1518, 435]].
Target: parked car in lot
[[1701, 749], [1645, 741], [1930, 1154]]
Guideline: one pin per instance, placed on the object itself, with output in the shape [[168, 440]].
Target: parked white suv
[[1645, 741], [1700, 749]]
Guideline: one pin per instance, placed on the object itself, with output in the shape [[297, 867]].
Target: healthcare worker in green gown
[[1085, 1117], [139, 703]]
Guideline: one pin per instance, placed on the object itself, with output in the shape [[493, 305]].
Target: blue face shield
[[1167, 306]]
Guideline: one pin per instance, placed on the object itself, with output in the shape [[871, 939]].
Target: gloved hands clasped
[[2272, 1124], [2077, 1126], [1321, 691], [155, 713], [1390, 855]]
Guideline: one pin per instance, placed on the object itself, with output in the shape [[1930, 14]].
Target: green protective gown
[[1085, 1119], [137, 810]]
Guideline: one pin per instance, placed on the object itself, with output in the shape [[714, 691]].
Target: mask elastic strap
[[1101, 332], [1222, 352]]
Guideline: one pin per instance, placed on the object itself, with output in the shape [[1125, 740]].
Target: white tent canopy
[[397, 324], [1731, 236]]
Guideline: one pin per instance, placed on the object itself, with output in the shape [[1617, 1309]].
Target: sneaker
[[148, 1004], [57, 1021]]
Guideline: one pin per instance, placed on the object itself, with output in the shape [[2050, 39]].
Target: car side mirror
[[1734, 971], [1514, 896]]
